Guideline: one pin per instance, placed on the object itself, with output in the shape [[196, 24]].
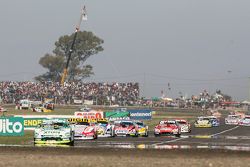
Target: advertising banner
[[11, 126], [116, 115], [77, 101], [30, 122], [89, 115], [88, 102], [145, 114]]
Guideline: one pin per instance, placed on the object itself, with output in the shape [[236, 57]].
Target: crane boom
[[83, 16]]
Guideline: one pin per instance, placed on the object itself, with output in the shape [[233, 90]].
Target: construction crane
[[83, 17]]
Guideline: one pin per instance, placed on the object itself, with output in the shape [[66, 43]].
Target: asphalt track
[[228, 137]]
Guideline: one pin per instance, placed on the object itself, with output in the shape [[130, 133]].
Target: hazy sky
[[191, 44]]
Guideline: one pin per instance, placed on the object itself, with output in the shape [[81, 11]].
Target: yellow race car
[[142, 129], [41, 109], [203, 122]]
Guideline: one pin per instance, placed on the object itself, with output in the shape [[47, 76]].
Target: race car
[[142, 128], [104, 128], [245, 121], [49, 105], [185, 125], [232, 119], [214, 120], [167, 127], [54, 131], [203, 122], [23, 104], [41, 109], [125, 128], [85, 130]]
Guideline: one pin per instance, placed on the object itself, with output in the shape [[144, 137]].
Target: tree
[[86, 45]]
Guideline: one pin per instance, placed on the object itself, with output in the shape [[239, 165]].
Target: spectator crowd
[[121, 94], [98, 93]]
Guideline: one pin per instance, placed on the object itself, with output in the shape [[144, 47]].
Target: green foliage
[[86, 45]]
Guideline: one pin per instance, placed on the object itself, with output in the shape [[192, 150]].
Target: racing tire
[[136, 134], [95, 137], [157, 135], [146, 134], [72, 143], [177, 135], [112, 134]]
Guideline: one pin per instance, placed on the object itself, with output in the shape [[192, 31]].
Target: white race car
[[245, 121], [104, 128], [23, 104], [185, 125], [85, 130], [232, 119], [54, 131]]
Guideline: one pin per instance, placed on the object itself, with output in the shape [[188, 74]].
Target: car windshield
[[82, 123], [170, 123], [127, 123], [102, 122], [59, 124], [233, 116], [203, 119], [182, 122], [140, 123]]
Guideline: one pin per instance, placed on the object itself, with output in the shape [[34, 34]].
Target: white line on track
[[225, 131], [15, 145], [171, 141]]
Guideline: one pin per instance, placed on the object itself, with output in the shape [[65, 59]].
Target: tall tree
[[86, 45]]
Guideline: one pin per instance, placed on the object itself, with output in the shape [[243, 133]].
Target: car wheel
[[178, 135], [136, 134], [95, 136], [157, 135], [146, 134], [72, 143], [112, 134]]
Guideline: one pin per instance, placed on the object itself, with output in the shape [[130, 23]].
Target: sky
[[178, 47]]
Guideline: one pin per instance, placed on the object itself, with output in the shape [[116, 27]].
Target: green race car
[[54, 131]]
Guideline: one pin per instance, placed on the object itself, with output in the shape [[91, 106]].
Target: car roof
[[181, 120]]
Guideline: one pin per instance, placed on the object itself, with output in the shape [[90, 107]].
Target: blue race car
[[215, 121]]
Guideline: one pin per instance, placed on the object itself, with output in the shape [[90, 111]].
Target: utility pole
[[83, 16]]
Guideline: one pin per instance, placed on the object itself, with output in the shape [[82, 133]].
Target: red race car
[[167, 127], [126, 128]]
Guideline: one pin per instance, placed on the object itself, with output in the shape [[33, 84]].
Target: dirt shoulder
[[34, 156]]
